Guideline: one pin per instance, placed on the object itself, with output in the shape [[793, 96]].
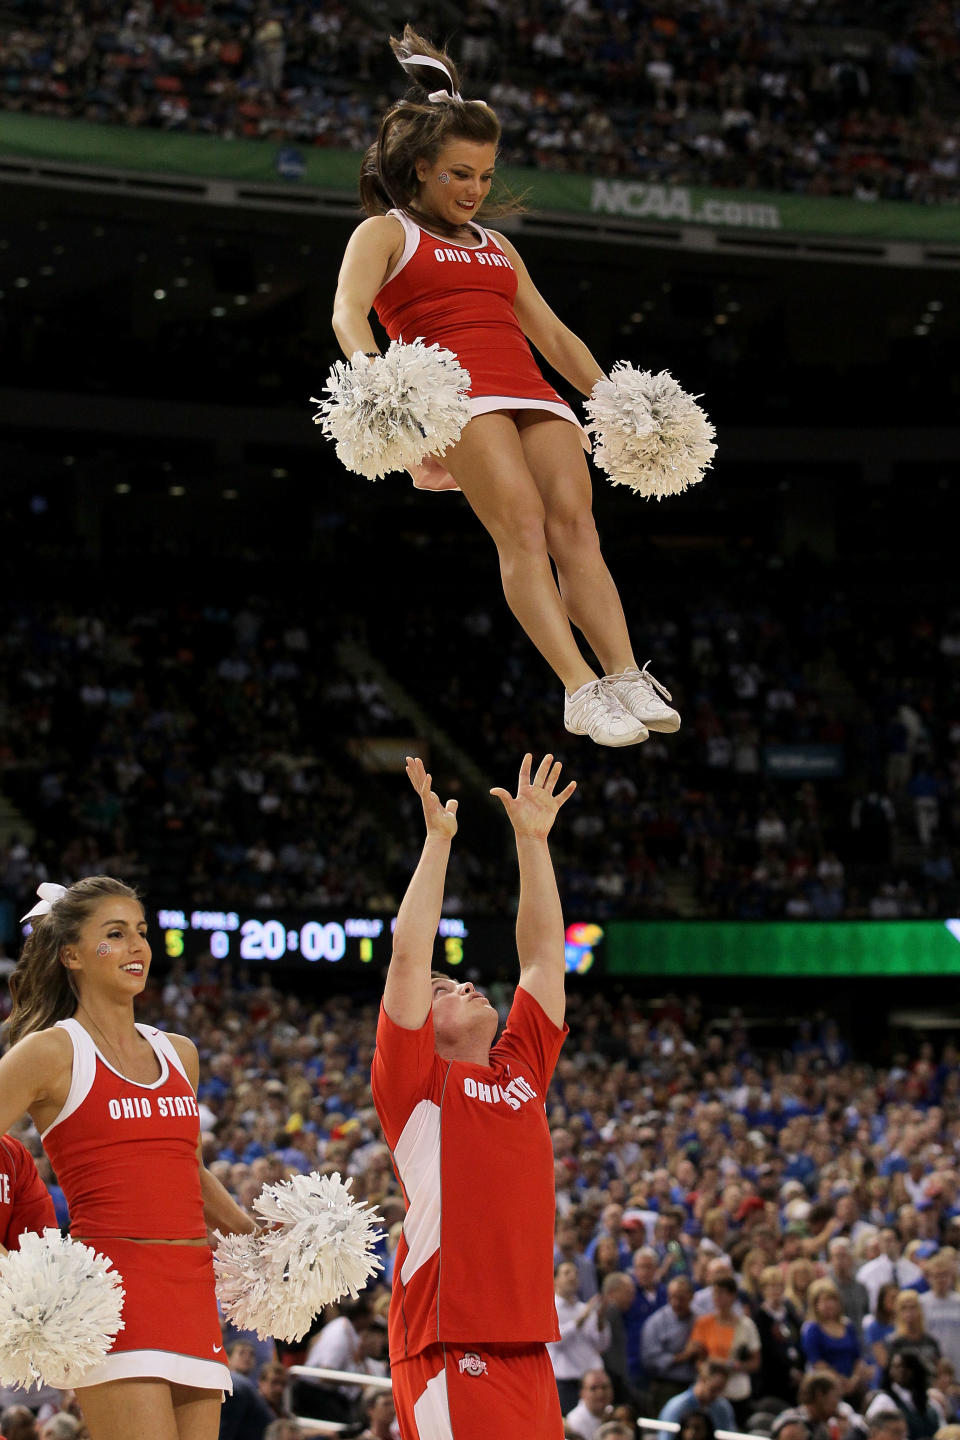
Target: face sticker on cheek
[[104, 948], [444, 178]]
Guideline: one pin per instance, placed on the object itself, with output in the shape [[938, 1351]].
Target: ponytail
[[417, 127]]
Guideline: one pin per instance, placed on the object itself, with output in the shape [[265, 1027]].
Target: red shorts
[[171, 1326], [461, 1392]]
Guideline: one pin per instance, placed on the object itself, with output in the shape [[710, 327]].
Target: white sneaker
[[594, 710], [639, 692]]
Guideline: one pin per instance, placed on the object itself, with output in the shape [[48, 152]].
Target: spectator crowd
[[212, 748], [765, 1236], [846, 98]]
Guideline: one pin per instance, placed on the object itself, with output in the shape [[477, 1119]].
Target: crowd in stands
[[845, 98], [767, 1233], [775, 655], [208, 749], [180, 749]]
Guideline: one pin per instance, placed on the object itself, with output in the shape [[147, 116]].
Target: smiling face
[[464, 1021], [112, 954], [468, 167]]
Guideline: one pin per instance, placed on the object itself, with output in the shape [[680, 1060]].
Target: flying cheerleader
[[459, 401]]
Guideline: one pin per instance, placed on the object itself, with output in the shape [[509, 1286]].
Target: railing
[[336, 1377], [318, 1427], [347, 1377], [671, 1427]]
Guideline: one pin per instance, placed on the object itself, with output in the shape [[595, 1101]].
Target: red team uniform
[[461, 297], [25, 1202], [473, 1300], [126, 1157]]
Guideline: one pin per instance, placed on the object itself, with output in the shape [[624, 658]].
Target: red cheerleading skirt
[[171, 1328]]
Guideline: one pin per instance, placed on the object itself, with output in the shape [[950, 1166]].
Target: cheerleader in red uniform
[[431, 271], [115, 1104]]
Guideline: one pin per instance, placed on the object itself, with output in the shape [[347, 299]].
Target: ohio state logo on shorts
[[471, 1364]]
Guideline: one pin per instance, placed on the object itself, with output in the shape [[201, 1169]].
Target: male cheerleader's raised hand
[[533, 809], [440, 820]]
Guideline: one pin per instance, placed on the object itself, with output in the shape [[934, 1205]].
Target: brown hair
[[817, 1385], [42, 988], [416, 128]]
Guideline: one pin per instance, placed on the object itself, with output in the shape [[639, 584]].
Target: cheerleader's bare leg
[[555, 458], [489, 465], [150, 1410]]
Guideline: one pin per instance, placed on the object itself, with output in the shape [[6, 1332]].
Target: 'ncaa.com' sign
[[677, 202]]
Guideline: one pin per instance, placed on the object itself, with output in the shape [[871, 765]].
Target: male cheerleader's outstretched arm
[[220, 1210], [557, 343], [407, 993], [540, 932]]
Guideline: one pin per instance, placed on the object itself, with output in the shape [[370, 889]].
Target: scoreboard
[[298, 940]]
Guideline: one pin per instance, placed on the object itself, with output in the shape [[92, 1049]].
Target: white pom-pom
[[278, 1282], [390, 413], [60, 1310], [243, 1285], [650, 434]]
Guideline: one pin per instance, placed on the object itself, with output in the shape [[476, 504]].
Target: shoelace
[[603, 691], [653, 682]]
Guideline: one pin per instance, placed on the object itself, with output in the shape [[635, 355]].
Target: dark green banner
[[79, 142], [729, 947]]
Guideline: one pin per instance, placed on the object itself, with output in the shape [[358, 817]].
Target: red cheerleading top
[[471, 1148], [461, 297], [25, 1202], [125, 1154]]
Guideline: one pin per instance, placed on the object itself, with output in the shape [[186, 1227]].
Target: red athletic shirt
[[461, 296], [25, 1202], [471, 1148], [126, 1154]]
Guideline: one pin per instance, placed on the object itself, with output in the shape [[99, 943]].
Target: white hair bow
[[414, 62], [49, 894]]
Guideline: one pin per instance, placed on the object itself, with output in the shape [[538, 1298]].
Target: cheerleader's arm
[[557, 343], [35, 1078], [220, 1210], [372, 251]]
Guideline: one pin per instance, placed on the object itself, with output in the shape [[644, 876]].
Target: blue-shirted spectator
[[651, 1295], [706, 1393], [831, 1341], [878, 1327]]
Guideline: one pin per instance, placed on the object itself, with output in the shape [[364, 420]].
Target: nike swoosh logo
[[217, 1349]]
